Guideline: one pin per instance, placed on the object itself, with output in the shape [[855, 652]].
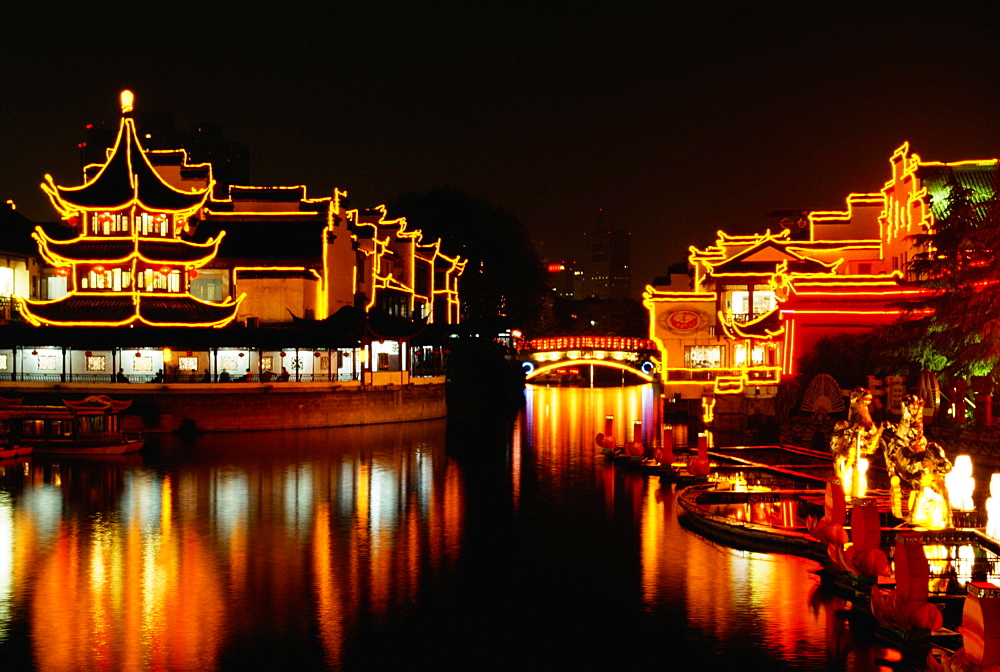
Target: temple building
[[242, 287], [753, 305]]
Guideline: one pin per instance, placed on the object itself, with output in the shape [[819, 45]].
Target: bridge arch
[[636, 356]]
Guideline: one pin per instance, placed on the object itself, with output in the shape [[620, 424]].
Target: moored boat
[[91, 426]]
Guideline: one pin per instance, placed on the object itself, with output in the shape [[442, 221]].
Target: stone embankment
[[236, 407]]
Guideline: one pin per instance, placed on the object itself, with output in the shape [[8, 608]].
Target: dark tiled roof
[[93, 250], [272, 194], [173, 251], [183, 310], [279, 242], [127, 175], [74, 309]]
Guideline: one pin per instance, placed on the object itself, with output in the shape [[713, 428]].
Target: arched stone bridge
[[564, 355]]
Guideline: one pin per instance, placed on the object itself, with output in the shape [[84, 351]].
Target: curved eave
[[79, 250], [765, 327], [117, 310], [178, 251], [185, 311], [78, 310], [86, 249], [126, 179]]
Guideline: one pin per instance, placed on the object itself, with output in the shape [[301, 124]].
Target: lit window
[[187, 363], [46, 362], [142, 364], [703, 356], [97, 363]]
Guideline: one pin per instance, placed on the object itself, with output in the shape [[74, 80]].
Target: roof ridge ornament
[[127, 99]]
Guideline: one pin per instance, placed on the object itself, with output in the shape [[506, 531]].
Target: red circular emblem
[[683, 320]]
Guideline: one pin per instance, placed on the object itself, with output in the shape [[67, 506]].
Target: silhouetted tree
[[504, 280]]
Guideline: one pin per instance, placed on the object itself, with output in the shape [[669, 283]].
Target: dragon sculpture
[[917, 463], [853, 439]]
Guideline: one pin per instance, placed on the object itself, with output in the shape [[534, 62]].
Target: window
[[142, 364], [46, 362], [3, 362], [187, 363], [267, 363], [97, 363], [228, 363], [703, 356], [759, 356]]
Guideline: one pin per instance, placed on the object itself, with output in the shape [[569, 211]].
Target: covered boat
[[91, 426]]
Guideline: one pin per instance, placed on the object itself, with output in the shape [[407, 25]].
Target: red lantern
[[192, 274], [138, 354], [242, 355], [165, 270], [190, 353], [62, 271], [89, 353], [316, 354], [34, 352], [74, 220], [98, 269], [282, 353]]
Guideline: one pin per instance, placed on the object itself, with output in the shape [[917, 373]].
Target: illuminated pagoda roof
[[767, 257], [126, 179], [107, 250], [89, 309]]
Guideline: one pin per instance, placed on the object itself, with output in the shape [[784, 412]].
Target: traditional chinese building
[[127, 262], [251, 287], [756, 304]]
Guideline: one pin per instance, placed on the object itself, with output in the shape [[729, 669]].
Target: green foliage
[[956, 331], [504, 280]]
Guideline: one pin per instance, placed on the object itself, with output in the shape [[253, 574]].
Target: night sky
[[676, 122]]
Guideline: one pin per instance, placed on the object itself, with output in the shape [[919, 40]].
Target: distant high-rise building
[[607, 259]]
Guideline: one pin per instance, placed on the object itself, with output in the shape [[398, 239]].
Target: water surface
[[477, 546]]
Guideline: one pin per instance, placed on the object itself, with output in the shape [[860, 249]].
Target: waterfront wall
[[235, 407]]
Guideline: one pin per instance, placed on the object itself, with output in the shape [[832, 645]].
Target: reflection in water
[[234, 539], [355, 547]]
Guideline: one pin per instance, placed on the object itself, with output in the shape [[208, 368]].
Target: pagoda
[[128, 263]]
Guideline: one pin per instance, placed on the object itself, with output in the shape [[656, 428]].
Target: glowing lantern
[[138, 354], [960, 484], [88, 354], [127, 99], [62, 271], [98, 269], [993, 508], [165, 270]]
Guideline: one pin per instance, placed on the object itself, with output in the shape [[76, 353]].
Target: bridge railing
[[762, 374], [621, 343]]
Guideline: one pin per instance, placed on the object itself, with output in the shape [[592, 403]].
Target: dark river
[[394, 547]]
